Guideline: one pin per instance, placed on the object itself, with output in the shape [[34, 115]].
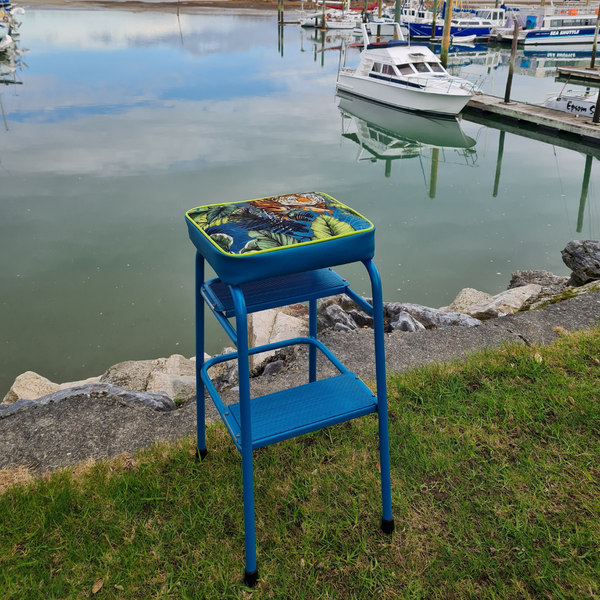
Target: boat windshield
[[421, 67], [405, 69], [436, 67]]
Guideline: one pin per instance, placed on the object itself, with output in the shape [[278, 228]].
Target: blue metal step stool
[[273, 252]]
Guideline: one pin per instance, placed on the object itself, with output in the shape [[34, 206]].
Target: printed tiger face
[[282, 204], [300, 200]]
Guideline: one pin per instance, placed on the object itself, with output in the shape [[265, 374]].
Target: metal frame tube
[[200, 409], [241, 321], [312, 332], [382, 412]]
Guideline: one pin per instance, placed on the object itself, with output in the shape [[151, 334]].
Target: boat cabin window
[[388, 70], [436, 67], [421, 67], [486, 23], [376, 68], [405, 69]]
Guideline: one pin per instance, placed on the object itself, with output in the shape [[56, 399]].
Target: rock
[[268, 327], [405, 322], [342, 327], [131, 374], [361, 318], [583, 258], [183, 387], [565, 294], [30, 386], [341, 300], [333, 314], [467, 297], [175, 376], [430, 318], [206, 357], [504, 303], [273, 368], [545, 279], [71, 384], [158, 402]]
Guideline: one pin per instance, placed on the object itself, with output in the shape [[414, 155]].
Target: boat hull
[[402, 97], [423, 30], [570, 35]]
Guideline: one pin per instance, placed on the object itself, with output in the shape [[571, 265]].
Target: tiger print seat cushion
[[277, 222]]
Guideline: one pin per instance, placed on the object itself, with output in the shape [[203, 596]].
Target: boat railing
[[428, 82]]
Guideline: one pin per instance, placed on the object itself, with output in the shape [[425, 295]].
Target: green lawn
[[496, 494]]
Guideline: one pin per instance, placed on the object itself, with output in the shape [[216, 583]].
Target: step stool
[[273, 252]]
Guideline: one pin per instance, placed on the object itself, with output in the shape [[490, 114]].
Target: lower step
[[305, 408]]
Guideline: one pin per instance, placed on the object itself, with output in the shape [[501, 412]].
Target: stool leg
[[312, 332], [200, 416], [387, 521], [241, 323]]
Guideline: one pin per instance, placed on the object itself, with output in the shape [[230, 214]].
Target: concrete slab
[[540, 116], [49, 437]]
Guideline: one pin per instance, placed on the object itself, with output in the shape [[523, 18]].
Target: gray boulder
[[583, 258], [361, 318], [545, 279], [156, 401], [430, 318], [404, 322], [273, 368], [334, 314]]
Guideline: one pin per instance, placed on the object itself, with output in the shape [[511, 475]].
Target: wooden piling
[[511, 65], [446, 35], [434, 12]]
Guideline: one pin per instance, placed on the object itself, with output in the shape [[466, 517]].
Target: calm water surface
[[124, 120]]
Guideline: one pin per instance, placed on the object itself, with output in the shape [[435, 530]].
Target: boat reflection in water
[[389, 134]]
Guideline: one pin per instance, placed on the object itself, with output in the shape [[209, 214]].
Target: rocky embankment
[[45, 425]]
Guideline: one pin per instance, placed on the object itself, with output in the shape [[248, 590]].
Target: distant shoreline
[[191, 6], [184, 6]]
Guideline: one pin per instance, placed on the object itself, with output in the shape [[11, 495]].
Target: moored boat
[[405, 75]]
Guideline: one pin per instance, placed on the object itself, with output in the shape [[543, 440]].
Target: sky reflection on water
[[119, 127]]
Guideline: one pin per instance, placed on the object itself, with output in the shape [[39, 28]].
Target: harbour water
[[121, 121]]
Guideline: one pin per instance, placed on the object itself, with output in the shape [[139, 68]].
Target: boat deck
[[540, 116]]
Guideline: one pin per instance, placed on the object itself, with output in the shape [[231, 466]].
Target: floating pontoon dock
[[545, 118], [580, 74]]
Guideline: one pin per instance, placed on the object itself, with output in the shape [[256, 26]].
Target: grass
[[495, 478]]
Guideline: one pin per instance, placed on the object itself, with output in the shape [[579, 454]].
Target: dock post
[[434, 12], [593, 61], [323, 18], [499, 162], [511, 66], [584, 191], [398, 12], [446, 36]]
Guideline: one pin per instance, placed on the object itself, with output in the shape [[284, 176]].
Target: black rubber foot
[[250, 579], [387, 526], [201, 454]]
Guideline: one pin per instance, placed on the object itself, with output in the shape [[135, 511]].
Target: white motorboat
[[404, 75], [571, 101]]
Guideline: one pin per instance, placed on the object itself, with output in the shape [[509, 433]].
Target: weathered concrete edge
[[49, 437]]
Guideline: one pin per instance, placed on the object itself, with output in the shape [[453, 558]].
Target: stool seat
[[279, 235]]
